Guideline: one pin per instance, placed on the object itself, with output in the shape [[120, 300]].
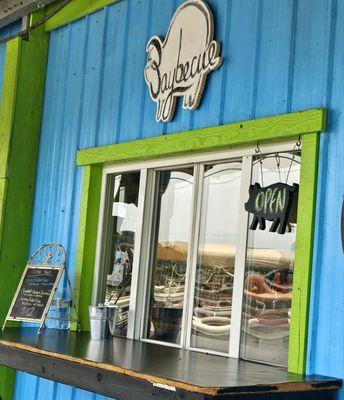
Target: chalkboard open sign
[[276, 203], [35, 293]]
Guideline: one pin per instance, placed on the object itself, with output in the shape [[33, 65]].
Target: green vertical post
[[87, 242], [303, 254], [20, 121]]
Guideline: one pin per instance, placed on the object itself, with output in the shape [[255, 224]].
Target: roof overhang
[[12, 10]]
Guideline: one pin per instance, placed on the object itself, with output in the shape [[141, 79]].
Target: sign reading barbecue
[[179, 65]]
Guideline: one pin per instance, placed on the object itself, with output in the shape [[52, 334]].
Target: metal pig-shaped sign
[[276, 203], [179, 65]]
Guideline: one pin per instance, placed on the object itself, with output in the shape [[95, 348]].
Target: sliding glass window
[[120, 224], [187, 264], [168, 261], [212, 297], [269, 267]]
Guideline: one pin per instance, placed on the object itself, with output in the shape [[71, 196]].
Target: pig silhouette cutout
[[276, 203], [179, 65]]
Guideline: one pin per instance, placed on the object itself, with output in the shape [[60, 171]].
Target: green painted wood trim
[[209, 139], [20, 121], [3, 194], [7, 111], [87, 238], [7, 108], [8, 100], [75, 10], [307, 124], [303, 255]]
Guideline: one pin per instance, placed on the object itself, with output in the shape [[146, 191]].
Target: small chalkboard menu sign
[[35, 293]]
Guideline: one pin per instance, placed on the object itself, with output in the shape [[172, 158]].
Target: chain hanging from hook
[[297, 147], [260, 158], [278, 162]]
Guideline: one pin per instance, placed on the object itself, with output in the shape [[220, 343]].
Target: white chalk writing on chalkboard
[[34, 293]]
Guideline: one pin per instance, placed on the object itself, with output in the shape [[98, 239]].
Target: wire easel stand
[[54, 254]]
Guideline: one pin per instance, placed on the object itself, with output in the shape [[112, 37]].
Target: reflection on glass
[[172, 219], [269, 272], [216, 255], [120, 227]]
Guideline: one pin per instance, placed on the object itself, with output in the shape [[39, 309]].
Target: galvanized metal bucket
[[102, 321]]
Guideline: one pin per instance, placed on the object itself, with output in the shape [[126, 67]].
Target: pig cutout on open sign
[[179, 65], [276, 203]]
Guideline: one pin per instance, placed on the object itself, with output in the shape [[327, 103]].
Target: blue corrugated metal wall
[[5, 32], [279, 56]]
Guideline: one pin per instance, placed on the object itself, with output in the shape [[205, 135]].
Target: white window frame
[[140, 274]]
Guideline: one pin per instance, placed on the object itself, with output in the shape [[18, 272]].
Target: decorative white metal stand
[[50, 255]]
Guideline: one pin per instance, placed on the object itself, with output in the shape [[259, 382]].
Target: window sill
[[126, 369]]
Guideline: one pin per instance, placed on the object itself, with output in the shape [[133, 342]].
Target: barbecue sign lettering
[[179, 65], [276, 203]]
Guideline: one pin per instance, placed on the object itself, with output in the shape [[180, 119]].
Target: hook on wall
[[296, 148], [260, 157]]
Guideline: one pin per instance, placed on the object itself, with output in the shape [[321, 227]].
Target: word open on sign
[[276, 203], [178, 66]]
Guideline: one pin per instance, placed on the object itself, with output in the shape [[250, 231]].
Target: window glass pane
[[269, 270], [171, 231], [216, 255], [121, 216]]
